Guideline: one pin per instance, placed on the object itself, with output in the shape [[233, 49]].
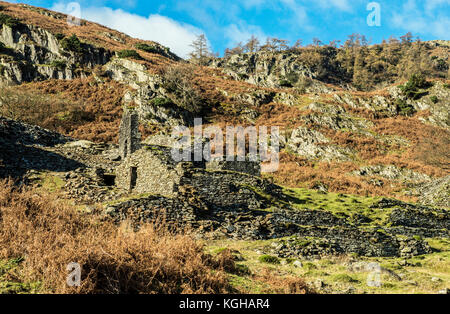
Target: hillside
[[364, 164]]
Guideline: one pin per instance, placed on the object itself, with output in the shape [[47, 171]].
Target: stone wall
[[148, 171], [250, 167], [229, 190], [129, 136]]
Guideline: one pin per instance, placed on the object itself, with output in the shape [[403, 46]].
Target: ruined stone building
[[150, 169]]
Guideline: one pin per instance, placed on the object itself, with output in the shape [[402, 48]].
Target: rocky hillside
[[376, 142], [365, 147]]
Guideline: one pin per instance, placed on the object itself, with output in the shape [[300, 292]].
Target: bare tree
[[268, 46], [239, 49], [201, 48], [252, 45], [334, 43], [407, 38], [275, 44], [298, 44], [178, 83], [317, 42]]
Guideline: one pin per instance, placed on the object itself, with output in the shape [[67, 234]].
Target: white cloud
[[168, 32], [430, 5], [242, 33], [342, 5], [429, 20]]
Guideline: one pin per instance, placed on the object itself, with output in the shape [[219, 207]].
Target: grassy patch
[[344, 278], [132, 54], [50, 182], [418, 274], [72, 44], [269, 259], [342, 205], [10, 281]]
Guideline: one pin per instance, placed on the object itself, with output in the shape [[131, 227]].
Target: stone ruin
[[150, 169], [129, 136]]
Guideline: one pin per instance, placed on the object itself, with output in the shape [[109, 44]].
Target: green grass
[[269, 259], [344, 278], [416, 274], [133, 54], [51, 182], [342, 205], [10, 282]]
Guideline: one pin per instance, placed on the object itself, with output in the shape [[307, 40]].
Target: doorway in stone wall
[[133, 177]]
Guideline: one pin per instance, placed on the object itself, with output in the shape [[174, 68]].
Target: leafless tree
[[201, 48], [252, 45], [178, 83]]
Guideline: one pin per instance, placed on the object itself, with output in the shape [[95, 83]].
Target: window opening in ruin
[[133, 177], [109, 179], [125, 153]]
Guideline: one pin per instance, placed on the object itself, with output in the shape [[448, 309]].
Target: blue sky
[[225, 23]]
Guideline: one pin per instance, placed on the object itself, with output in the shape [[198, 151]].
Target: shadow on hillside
[[16, 160]]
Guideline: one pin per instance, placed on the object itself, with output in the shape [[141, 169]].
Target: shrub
[[72, 43], [285, 83], [243, 76], [60, 36], [9, 21], [412, 88], [129, 54], [161, 102], [147, 48], [269, 259], [59, 64], [404, 109], [434, 99], [50, 234]]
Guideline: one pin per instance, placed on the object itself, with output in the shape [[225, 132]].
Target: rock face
[[314, 145], [269, 69], [146, 88], [435, 193], [36, 54], [336, 118], [393, 173], [386, 105], [23, 148]]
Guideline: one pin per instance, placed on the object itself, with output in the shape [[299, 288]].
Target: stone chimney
[[129, 136]]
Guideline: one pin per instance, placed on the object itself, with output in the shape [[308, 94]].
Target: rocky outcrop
[[24, 148], [435, 100], [337, 118], [314, 145], [393, 173], [146, 88], [435, 193], [269, 69], [36, 54]]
